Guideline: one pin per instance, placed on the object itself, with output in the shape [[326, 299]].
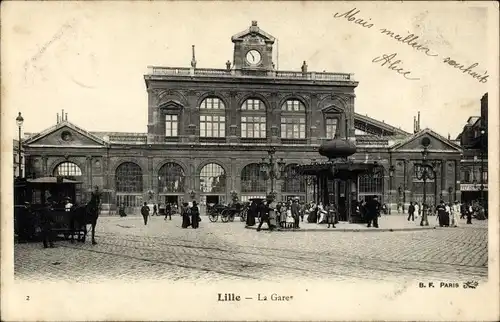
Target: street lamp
[[424, 171], [19, 121], [391, 174], [273, 169]]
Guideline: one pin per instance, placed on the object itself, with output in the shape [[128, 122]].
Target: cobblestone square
[[129, 250]]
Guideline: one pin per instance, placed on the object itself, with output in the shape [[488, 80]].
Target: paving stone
[[129, 250]]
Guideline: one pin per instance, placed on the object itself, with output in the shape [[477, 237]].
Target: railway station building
[[210, 132]]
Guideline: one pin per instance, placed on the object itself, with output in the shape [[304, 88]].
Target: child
[[290, 221]]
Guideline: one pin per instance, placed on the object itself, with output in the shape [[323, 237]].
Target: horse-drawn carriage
[[227, 213], [41, 207]]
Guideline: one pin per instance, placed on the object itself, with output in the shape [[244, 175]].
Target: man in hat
[[47, 221], [266, 212], [68, 204], [295, 212], [373, 210]]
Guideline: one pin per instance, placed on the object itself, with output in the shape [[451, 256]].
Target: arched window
[[171, 178], [128, 178], [67, 169], [293, 120], [212, 178], [212, 118], [253, 179], [292, 182], [253, 119]]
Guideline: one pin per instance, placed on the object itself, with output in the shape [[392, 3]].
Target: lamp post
[[19, 121], [272, 168], [391, 174], [424, 171]]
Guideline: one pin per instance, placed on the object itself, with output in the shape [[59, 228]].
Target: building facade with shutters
[[209, 132], [474, 163]]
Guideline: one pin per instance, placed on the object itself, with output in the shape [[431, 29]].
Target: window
[[212, 118], [128, 178], [171, 178], [371, 184], [67, 169], [292, 182], [212, 126], [171, 123], [293, 120], [212, 178], [253, 119], [252, 179], [331, 127], [466, 176]]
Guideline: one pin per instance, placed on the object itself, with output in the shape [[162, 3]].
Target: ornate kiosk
[[336, 181]]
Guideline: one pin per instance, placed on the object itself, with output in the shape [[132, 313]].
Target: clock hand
[[252, 56]]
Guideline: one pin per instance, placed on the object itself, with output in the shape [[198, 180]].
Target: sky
[[89, 58]]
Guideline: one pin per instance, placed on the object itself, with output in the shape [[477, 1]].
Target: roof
[[59, 125], [383, 125], [430, 132], [253, 29]]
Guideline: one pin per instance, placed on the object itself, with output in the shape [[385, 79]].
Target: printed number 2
[[27, 298]]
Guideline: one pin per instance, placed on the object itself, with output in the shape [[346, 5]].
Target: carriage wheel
[[231, 216], [225, 216], [213, 216]]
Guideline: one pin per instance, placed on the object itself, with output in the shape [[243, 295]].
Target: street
[[128, 250]]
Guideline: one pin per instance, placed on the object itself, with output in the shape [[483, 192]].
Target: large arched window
[[293, 120], [212, 118], [293, 182], [171, 178], [67, 169], [253, 179], [253, 119], [212, 178], [128, 178]]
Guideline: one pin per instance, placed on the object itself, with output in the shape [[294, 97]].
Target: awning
[[52, 180], [342, 169]]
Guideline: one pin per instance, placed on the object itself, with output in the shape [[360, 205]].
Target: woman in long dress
[[195, 215], [251, 213], [185, 215], [321, 213]]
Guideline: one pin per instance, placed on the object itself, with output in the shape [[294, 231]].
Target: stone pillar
[[407, 195], [443, 188]]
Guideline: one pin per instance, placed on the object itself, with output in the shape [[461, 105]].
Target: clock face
[[253, 57]]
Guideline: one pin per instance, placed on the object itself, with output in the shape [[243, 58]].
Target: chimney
[[193, 59], [57, 118], [66, 116], [62, 115], [414, 124], [418, 121], [304, 67]]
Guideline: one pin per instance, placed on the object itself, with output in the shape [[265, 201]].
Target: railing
[[294, 141], [212, 140], [128, 139], [209, 72]]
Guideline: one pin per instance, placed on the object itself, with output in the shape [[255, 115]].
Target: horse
[[84, 215]]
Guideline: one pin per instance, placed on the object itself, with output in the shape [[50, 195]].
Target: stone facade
[[178, 93]]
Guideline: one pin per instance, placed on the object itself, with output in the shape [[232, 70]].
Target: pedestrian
[[455, 210], [47, 222], [185, 213], [295, 210], [195, 216], [441, 214], [252, 213], [155, 210], [283, 215], [469, 212], [290, 220], [145, 213], [447, 207], [265, 213], [168, 211], [321, 213], [68, 205], [330, 216], [121, 210], [411, 212], [373, 210]]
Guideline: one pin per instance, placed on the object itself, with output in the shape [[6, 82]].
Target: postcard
[[234, 160]]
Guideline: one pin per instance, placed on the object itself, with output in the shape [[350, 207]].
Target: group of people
[[447, 213]]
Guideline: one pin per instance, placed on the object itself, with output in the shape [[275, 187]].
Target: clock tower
[[253, 50]]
